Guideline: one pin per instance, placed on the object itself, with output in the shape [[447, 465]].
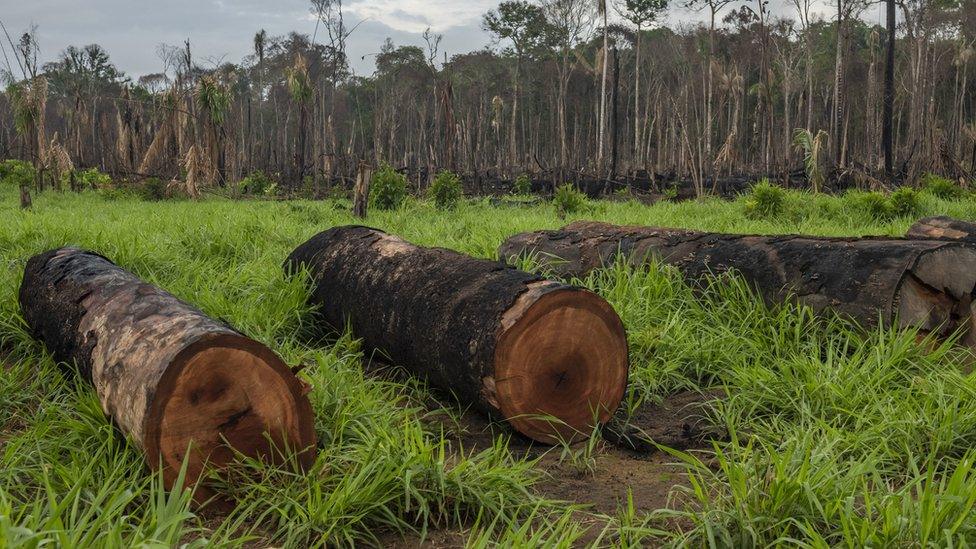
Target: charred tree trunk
[[360, 192], [171, 378], [909, 283], [512, 344]]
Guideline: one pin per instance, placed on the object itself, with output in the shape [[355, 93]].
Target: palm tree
[[300, 89], [260, 46], [213, 100]]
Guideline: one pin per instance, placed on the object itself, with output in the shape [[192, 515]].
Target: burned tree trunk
[[943, 228], [179, 384], [910, 283], [360, 192], [514, 345]]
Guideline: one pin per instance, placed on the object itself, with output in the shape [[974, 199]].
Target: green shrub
[[446, 190], [567, 199], [16, 172], [872, 204], [153, 189], [905, 202], [257, 183], [90, 178], [765, 200], [941, 187], [387, 189], [522, 185]]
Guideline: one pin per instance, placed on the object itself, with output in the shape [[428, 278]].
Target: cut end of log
[[936, 294], [560, 364], [223, 396]]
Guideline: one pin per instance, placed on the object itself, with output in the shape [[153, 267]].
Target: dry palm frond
[[726, 155], [299, 83], [498, 108], [57, 160], [198, 171]]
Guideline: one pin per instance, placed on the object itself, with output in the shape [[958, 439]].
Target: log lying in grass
[[170, 377], [919, 283], [943, 228], [508, 342]]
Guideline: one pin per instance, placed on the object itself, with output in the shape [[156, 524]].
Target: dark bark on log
[[164, 372], [943, 228], [508, 342], [917, 283]]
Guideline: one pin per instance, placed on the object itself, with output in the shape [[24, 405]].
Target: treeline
[[569, 90]]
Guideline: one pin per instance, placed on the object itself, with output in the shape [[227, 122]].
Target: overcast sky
[[223, 29]]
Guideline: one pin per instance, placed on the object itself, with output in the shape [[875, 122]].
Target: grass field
[[832, 436]]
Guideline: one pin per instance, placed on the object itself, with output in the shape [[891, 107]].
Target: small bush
[[905, 202], [89, 178], [941, 187], [522, 185], [567, 199], [446, 190], [872, 204], [387, 189], [257, 183], [153, 189], [765, 200], [16, 172]]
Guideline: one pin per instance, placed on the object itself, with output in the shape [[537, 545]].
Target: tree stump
[[180, 384], [924, 284], [508, 342]]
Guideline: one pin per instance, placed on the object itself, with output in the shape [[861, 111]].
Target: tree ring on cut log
[[223, 395], [561, 365], [936, 294]]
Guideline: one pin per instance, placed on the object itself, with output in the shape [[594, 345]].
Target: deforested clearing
[[744, 422]]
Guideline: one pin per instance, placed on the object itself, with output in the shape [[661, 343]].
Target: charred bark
[[928, 285], [510, 343], [179, 384]]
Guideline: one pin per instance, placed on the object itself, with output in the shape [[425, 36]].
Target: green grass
[[837, 437]]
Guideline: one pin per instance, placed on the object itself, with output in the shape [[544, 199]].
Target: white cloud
[[417, 15]]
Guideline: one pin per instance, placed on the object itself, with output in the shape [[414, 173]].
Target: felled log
[[507, 342], [178, 383], [943, 228], [926, 284]]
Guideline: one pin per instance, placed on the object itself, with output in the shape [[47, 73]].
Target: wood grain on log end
[[936, 294], [560, 364], [222, 396]]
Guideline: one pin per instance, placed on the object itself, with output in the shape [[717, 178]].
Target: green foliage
[[765, 200], [387, 188], [90, 178], [153, 189], [16, 172], [213, 98], [522, 185], [446, 190], [257, 183], [812, 145], [836, 436], [905, 202], [940, 187], [568, 200], [872, 204]]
